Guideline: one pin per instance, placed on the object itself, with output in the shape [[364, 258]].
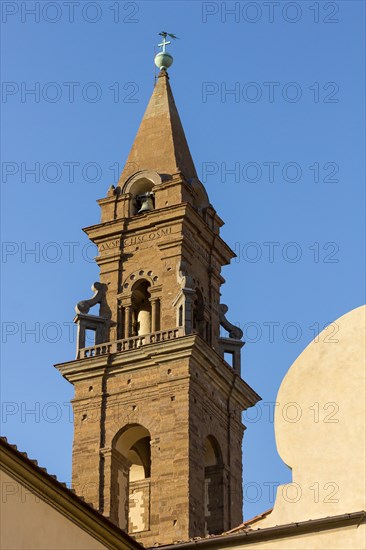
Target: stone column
[[154, 310], [80, 337], [120, 322], [127, 321]]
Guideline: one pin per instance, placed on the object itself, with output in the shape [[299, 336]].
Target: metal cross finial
[[165, 42]]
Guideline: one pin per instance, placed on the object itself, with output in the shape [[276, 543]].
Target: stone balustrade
[[127, 344]]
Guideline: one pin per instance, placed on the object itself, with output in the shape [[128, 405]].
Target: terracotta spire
[[160, 143]]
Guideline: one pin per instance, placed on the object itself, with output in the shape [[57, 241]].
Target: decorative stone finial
[[163, 59], [234, 331], [85, 305]]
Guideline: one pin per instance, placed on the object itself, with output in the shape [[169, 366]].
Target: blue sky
[[272, 106]]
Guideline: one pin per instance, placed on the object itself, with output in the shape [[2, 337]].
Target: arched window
[[132, 465], [141, 308], [214, 487]]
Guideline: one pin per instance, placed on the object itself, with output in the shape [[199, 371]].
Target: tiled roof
[[245, 532], [246, 524], [42, 469]]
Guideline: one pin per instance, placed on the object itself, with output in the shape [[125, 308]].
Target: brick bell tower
[[158, 433]]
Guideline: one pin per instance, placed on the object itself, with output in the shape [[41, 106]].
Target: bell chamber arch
[[140, 186], [139, 304]]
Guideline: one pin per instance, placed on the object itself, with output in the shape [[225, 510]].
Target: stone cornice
[[155, 217], [152, 355], [122, 227], [225, 376]]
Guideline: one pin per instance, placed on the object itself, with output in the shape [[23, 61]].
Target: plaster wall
[[28, 522]]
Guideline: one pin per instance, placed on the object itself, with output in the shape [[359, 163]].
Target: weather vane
[[163, 59]]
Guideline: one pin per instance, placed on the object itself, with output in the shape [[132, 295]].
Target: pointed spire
[[160, 144]]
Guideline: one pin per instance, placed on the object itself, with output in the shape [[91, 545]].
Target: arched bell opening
[[214, 487], [142, 196], [132, 470], [141, 308]]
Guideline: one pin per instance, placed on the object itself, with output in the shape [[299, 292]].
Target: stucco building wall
[[28, 522]]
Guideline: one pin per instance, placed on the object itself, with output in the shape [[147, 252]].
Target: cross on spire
[[165, 42]]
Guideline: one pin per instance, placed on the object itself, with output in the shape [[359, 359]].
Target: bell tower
[[157, 408]]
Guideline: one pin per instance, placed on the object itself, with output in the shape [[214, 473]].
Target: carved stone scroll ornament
[[99, 293], [234, 332]]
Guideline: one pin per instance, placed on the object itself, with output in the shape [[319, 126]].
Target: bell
[[147, 203]]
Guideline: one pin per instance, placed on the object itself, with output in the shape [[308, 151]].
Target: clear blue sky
[[292, 131]]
